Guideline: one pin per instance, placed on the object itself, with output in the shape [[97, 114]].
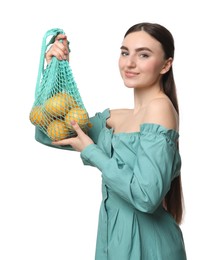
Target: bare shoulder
[[119, 112], [116, 116], [161, 111]]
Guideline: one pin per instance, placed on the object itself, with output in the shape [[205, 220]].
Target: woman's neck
[[143, 96]]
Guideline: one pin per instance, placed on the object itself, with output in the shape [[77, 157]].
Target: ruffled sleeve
[[98, 122], [156, 164]]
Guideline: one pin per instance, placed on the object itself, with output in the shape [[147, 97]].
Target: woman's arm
[[145, 184]]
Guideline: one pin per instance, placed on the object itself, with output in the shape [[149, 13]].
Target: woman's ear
[[167, 65]]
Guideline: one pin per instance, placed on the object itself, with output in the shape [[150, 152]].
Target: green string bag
[[57, 99]]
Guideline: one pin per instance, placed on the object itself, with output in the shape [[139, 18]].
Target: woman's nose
[[131, 62]]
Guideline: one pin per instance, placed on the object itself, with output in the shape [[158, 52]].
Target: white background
[[49, 201]]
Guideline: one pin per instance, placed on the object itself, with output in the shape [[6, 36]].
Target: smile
[[130, 74]]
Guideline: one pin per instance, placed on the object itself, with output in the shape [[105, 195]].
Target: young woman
[[137, 152]]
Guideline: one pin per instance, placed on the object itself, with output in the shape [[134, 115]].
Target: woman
[[137, 152]]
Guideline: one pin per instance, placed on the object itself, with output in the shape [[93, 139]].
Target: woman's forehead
[[141, 39]]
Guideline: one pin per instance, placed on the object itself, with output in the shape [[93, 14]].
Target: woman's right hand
[[58, 49]]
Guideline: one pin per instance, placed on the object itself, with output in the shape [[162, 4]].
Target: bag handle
[[53, 32]]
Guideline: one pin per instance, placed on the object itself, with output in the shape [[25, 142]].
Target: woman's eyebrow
[[138, 49], [123, 48]]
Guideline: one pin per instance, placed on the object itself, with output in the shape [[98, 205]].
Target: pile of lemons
[[56, 114]]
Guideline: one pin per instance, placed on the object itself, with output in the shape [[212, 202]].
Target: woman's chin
[[130, 85]]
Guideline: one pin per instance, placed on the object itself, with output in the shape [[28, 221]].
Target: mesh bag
[[57, 98]]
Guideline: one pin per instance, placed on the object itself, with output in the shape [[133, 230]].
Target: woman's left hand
[[79, 142]]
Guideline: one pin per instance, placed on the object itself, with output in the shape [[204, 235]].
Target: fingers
[[61, 37], [59, 49], [69, 141], [63, 142], [76, 128], [62, 43], [79, 142]]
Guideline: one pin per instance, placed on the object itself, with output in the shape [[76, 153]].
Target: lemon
[[36, 116], [77, 114], [57, 130], [59, 104]]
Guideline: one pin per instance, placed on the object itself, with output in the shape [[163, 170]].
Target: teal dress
[[137, 169]]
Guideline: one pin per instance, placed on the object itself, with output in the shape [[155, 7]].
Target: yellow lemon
[[59, 104], [57, 130], [77, 114], [36, 116]]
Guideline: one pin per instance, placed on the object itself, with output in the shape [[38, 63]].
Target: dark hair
[[173, 201]]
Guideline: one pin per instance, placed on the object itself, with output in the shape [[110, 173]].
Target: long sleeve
[[145, 180]]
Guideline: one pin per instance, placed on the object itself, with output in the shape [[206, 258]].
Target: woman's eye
[[144, 55], [124, 53]]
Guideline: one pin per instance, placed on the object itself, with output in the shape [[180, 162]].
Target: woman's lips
[[130, 74]]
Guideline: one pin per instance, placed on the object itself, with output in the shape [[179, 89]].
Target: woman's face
[[142, 61]]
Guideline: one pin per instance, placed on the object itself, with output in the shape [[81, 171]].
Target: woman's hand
[[58, 49], [78, 143]]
